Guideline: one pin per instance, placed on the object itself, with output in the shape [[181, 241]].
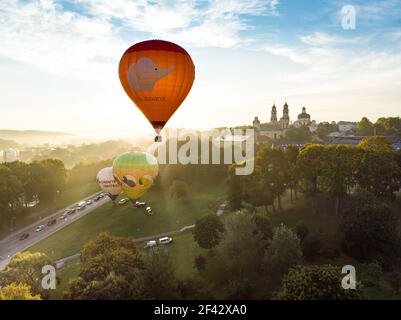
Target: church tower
[[256, 123], [285, 120], [273, 116]]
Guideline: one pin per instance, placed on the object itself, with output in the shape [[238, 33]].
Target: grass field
[[170, 214]]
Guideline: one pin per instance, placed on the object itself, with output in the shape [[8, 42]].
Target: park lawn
[[126, 220], [64, 199], [64, 275], [183, 251]]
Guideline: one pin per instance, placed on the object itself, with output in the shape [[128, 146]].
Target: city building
[[275, 129], [10, 155]]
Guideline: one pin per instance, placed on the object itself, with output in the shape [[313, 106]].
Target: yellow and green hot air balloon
[[136, 172]]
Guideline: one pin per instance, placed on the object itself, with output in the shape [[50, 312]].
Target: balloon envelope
[[136, 172], [157, 75], [107, 183]]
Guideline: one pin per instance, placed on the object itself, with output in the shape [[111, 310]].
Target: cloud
[[341, 69], [90, 37]]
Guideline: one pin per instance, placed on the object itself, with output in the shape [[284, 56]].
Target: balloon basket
[[158, 138]]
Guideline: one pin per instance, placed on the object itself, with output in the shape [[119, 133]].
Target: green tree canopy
[[208, 231], [314, 282]]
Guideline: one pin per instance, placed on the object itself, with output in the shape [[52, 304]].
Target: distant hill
[[4, 144], [34, 137]]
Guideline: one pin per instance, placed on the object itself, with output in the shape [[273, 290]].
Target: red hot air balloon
[[157, 75]]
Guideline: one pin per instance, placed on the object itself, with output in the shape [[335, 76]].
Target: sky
[[59, 60]]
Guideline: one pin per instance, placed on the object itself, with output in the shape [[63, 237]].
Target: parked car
[[149, 211], [123, 201], [51, 222], [140, 203], [24, 236], [40, 228], [165, 240], [89, 202], [63, 216], [151, 244]]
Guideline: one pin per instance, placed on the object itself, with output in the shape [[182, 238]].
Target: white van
[[165, 240], [151, 244]]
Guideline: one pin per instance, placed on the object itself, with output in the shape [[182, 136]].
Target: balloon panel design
[[107, 183], [157, 75], [136, 172]]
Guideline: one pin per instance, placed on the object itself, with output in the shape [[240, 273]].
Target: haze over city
[[59, 61]]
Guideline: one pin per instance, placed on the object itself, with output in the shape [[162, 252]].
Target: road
[[12, 244]]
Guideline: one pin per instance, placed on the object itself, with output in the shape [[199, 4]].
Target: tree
[[291, 154], [301, 230], [370, 230], [301, 134], [263, 227], [111, 268], [235, 189], [395, 281], [314, 282], [26, 268], [378, 173], [388, 126], [179, 189], [365, 127], [324, 128], [311, 246], [50, 176], [10, 193], [159, 275], [270, 172], [376, 143], [311, 166], [200, 262], [236, 263], [208, 230], [284, 251], [18, 291], [339, 163], [192, 289]]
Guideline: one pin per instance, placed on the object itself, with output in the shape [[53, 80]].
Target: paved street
[[12, 244]]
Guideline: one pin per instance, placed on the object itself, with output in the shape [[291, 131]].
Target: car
[[24, 236], [71, 211], [148, 209], [89, 202], [151, 244], [63, 216], [140, 203], [123, 201], [97, 198], [165, 240], [51, 222], [40, 228]]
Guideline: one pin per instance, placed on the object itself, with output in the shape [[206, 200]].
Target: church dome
[[304, 115]]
